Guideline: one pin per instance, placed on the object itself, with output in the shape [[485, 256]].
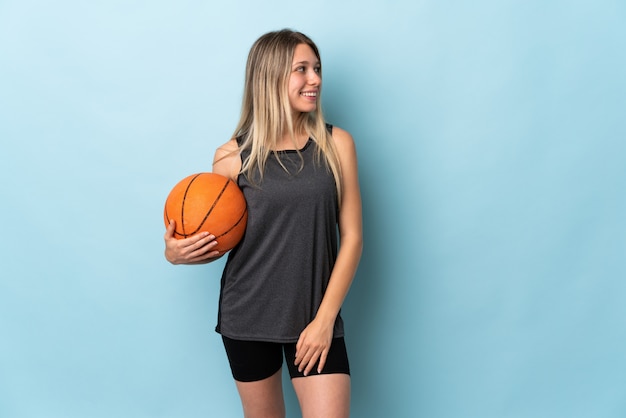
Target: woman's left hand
[[313, 345]]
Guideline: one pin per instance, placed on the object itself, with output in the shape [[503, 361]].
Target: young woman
[[284, 283]]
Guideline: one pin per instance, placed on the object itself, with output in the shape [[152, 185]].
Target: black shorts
[[251, 361]]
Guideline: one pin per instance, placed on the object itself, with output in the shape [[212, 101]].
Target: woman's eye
[[318, 69]]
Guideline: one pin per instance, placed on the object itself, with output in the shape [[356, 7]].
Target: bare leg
[[323, 396], [264, 398]]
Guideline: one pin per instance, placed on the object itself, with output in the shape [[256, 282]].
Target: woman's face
[[305, 80]]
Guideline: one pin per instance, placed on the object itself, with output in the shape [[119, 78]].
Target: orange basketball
[[208, 202]]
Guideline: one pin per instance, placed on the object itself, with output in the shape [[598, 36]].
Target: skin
[[326, 395], [305, 81]]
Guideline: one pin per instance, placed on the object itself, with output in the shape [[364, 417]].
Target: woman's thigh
[[324, 395], [263, 398], [336, 360], [257, 370]]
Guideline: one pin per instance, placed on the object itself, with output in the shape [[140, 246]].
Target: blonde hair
[[266, 111]]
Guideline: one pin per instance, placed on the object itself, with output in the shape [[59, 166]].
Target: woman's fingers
[[310, 359], [194, 249], [308, 354], [201, 250], [322, 361]]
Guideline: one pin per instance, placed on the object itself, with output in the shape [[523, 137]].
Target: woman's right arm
[[198, 249]]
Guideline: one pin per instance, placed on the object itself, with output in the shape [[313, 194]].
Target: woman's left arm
[[316, 338]]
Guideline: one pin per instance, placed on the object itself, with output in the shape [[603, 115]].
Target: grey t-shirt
[[274, 279]]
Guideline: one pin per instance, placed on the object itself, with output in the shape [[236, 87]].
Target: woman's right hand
[[197, 249]]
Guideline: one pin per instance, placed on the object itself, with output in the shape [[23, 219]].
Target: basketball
[[208, 202]]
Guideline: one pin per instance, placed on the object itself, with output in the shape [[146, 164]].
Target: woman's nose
[[314, 78]]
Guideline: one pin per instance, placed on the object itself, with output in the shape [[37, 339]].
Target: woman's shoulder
[[227, 161], [228, 147], [342, 138], [339, 132]]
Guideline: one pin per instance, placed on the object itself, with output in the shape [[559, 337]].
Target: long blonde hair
[[266, 112]]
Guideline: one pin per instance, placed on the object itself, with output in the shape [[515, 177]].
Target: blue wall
[[491, 138]]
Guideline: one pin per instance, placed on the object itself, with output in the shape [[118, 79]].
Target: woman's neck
[[298, 139], [288, 142]]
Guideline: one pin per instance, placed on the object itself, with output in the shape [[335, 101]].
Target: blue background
[[491, 138]]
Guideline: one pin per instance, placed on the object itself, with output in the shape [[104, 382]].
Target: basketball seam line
[[210, 209], [182, 207], [235, 225]]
